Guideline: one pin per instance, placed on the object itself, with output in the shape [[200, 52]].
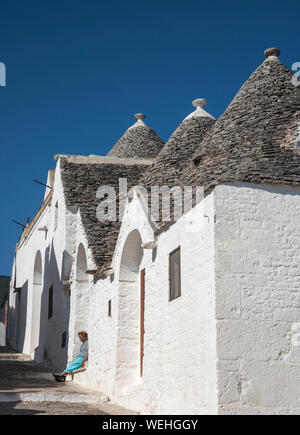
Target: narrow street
[[27, 388]]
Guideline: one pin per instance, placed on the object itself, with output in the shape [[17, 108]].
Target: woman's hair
[[84, 333]]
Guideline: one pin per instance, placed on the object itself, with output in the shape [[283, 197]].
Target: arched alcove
[[129, 314], [37, 288], [81, 296], [131, 258]]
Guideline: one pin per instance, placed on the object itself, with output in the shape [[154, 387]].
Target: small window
[[56, 216], [50, 303], [174, 274], [64, 339], [109, 308]]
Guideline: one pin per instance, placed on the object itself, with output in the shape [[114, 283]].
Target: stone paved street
[[56, 408], [22, 379]]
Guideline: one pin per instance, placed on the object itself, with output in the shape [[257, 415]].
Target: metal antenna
[[36, 181], [18, 223]]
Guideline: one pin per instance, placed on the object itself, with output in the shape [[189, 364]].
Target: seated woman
[[79, 360]]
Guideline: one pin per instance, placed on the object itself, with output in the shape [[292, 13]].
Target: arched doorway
[[37, 289], [81, 296], [130, 320]]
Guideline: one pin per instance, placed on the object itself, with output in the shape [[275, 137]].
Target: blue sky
[[78, 71]]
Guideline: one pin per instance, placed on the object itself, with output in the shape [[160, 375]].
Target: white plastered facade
[[229, 344], [257, 235], [52, 238], [180, 336]]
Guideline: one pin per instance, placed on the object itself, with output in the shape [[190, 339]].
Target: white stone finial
[[139, 123], [140, 116], [199, 102]]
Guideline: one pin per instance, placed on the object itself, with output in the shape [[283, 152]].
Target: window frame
[[178, 249], [50, 302], [64, 340]]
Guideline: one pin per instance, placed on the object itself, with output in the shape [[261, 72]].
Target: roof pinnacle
[[272, 52], [199, 102], [140, 116]]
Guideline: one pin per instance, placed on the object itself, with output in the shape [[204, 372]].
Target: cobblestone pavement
[[20, 376]]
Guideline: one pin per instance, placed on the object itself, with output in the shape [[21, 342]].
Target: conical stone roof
[[292, 138], [139, 141], [178, 151], [248, 142]]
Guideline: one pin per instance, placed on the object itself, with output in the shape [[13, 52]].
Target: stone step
[[52, 397], [15, 357]]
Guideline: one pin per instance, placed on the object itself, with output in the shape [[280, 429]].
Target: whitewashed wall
[[81, 288], [100, 328], [11, 332], [23, 270], [258, 299], [55, 247], [180, 336], [229, 344]]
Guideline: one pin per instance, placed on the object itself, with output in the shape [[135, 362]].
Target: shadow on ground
[[50, 408], [19, 373], [14, 408]]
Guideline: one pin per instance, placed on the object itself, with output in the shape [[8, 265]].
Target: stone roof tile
[[80, 184], [177, 152], [246, 143], [139, 141]]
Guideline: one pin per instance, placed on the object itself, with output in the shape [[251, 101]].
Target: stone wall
[[257, 298]]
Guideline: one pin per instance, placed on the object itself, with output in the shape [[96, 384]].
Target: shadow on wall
[[2, 326], [81, 300], [54, 311], [18, 316], [4, 294]]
